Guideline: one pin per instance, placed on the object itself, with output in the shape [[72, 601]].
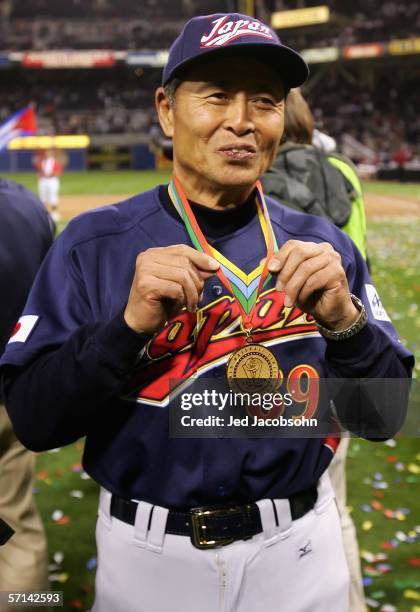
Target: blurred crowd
[[378, 110], [153, 24], [383, 98], [381, 117]]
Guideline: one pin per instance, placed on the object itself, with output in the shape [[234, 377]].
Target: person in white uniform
[[49, 169]]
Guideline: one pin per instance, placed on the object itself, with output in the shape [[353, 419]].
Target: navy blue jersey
[[26, 234], [87, 373]]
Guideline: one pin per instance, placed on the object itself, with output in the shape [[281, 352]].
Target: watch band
[[354, 328]]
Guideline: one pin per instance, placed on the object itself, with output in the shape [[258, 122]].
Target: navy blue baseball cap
[[234, 33]]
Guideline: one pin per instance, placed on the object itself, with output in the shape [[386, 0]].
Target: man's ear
[[164, 111]]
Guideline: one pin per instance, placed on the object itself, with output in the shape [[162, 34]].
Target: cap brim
[[291, 67]]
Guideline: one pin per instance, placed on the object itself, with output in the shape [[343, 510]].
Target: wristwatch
[[354, 328]]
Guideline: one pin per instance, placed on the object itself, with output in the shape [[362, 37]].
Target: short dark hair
[[170, 89]]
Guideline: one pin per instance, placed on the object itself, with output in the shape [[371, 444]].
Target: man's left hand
[[313, 279]]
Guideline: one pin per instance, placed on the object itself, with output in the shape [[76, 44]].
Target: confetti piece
[[378, 594], [389, 514], [366, 508], [367, 581], [64, 520], [388, 608], [57, 515], [407, 583], [76, 604], [76, 493], [384, 568], [378, 476], [91, 564], [413, 468], [400, 516], [410, 594], [372, 603], [62, 578], [84, 476], [400, 467], [391, 443], [58, 557], [76, 467], [376, 505], [400, 535], [42, 475], [380, 485], [391, 458], [367, 525], [53, 577], [414, 561]]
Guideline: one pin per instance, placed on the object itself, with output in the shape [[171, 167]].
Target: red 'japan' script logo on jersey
[[224, 31], [188, 345]]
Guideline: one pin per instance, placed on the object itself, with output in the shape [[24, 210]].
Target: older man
[[181, 281]]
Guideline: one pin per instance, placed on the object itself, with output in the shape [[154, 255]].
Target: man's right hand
[[166, 280]]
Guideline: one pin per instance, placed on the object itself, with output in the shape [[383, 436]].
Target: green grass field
[[96, 182], [378, 473]]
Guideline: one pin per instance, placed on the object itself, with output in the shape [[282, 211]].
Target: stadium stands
[[82, 24], [382, 96]]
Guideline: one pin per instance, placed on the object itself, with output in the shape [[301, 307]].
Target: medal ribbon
[[245, 288]]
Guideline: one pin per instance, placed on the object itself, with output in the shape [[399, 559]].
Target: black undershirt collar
[[214, 223]]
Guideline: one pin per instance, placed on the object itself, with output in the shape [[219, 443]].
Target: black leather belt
[[212, 526]]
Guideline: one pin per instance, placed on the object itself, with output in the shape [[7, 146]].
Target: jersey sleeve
[[62, 369], [372, 369], [361, 285], [57, 305]]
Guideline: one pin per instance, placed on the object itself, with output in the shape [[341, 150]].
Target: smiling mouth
[[238, 153]]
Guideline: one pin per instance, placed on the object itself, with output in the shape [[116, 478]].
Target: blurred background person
[[322, 182], [49, 167], [26, 233], [316, 179]]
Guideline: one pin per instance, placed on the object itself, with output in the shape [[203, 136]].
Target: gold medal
[[252, 369]]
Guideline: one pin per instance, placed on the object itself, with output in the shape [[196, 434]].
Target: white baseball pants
[[48, 189], [298, 566]]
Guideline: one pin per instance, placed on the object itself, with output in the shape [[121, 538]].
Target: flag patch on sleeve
[[376, 307], [23, 328]]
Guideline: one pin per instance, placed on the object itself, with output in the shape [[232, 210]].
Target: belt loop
[[141, 525], [157, 529], [325, 493], [105, 507], [268, 521], [284, 516]]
